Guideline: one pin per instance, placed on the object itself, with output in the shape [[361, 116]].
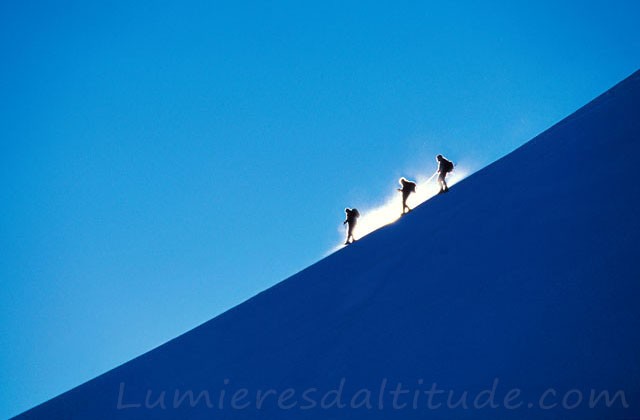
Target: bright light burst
[[373, 218]]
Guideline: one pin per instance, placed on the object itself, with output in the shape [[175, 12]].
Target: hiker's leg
[[441, 181]]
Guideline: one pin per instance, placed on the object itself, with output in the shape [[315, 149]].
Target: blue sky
[[161, 162]]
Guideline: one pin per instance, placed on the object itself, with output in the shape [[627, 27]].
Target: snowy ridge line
[[526, 272]]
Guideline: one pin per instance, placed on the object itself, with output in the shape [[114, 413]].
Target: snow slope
[[525, 276]]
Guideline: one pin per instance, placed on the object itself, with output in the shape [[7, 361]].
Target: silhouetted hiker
[[444, 167], [352, 218], [408, 187]]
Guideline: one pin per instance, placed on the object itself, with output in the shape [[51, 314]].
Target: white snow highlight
[[379, 215]]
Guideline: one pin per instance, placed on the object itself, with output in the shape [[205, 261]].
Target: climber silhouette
[[351, 220], [408, 187], [444, 167]]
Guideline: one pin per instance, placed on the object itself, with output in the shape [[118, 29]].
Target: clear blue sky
[[162, 161]]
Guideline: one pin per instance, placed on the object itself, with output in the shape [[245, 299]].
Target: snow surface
[[526, 272]]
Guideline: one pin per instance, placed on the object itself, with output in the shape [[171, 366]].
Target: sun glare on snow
[[374, 217]]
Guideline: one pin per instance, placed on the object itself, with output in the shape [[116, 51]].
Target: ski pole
[[431, 177]]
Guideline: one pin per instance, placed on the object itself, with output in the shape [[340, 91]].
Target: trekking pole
[[431, 177]]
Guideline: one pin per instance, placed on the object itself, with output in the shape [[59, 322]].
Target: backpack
[[447, 166], [355, 213], [409, 186]]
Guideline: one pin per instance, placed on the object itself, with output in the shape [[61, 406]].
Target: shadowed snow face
[[376, 216]]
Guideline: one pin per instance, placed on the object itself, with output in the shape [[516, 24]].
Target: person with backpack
[[351, 220], [444, 167], [408, 187]]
